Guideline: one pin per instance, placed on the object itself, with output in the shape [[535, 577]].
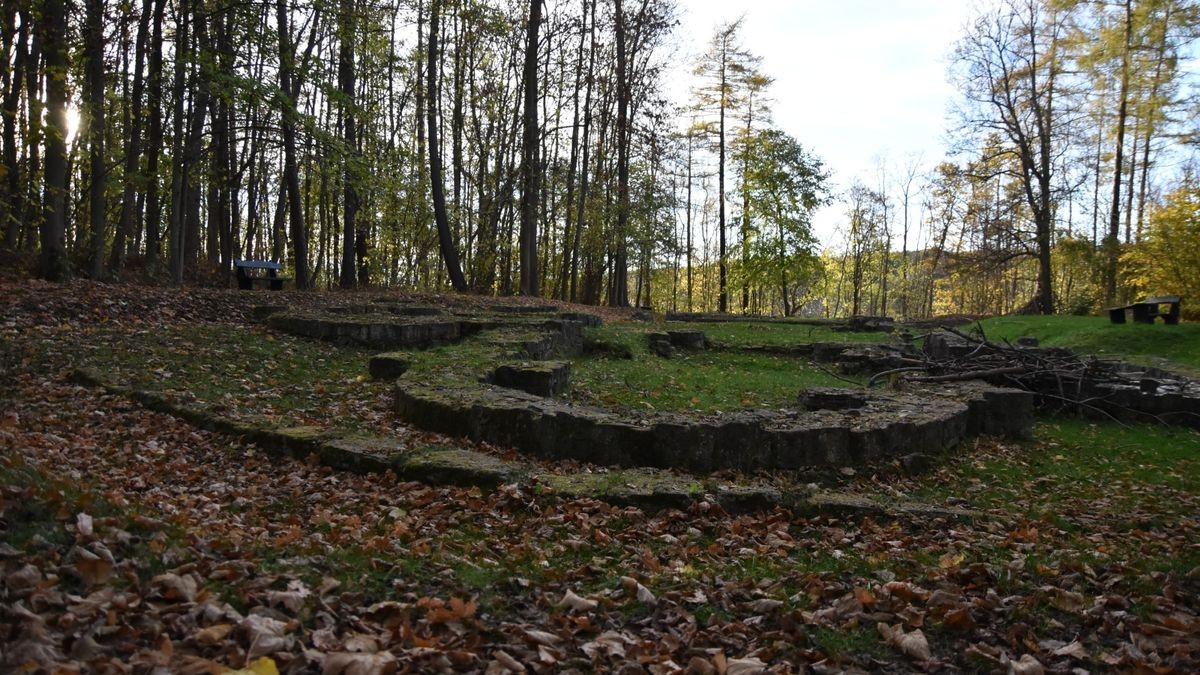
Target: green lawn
[[700, 381], [747, 333], [1175, 347]]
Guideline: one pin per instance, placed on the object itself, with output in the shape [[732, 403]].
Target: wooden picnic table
[[1148, 310], [247, 278]]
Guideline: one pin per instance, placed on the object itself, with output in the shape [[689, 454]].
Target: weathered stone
[[389, 366], [263, 312], [926, 420], [457, 466], [543, 378], [662, 348], [582, 318], [826, 398], [378, 333], [686, 339], [943, 346]]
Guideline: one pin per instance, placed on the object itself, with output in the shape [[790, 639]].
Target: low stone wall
[[378, 330], [927, 420], [376, 333]]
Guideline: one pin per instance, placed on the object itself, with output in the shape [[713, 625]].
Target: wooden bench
[[1148, 310], [246, 277]]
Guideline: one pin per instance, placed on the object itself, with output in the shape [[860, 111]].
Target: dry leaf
[[577, 603], [747, 666], [505, 659], [1026, 665], [354, 663], [913, 645], [213, 634]]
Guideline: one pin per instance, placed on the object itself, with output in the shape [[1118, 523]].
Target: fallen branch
[[972, 374]]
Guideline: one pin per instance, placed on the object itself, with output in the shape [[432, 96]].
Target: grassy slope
[[1175, 347]]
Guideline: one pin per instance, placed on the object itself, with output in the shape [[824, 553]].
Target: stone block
[[388, 366], [686, 339], [542, 378]]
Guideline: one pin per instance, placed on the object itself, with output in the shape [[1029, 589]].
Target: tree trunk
[[133, 178], [291, 172], [349, 127], [12, 200], [98, 170], [53, 28], [530, 171], [445, 237], [1112, 248], [619, 281], [154, 143]]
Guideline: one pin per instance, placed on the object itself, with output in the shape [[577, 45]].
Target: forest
[[506, 147]]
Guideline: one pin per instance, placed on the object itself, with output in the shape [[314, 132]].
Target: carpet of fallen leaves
[[132, 542]]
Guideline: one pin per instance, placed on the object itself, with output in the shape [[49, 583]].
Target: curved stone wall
[[924, 420]]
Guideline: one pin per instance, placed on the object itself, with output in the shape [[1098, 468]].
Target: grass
[[1174, 347], [700, 381], [1077, 471], [742, 334], [286, 381]]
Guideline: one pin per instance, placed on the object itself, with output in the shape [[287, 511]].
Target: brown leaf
[[906, 591], [1067, 601], [93, 569], [213, 634], [913, 645], [1074, 650], [174, 587], [577, 603], [347, 663], [960, 619], [506, 660], [1026, 665], [264, 635], [747, 666], [541, 637]]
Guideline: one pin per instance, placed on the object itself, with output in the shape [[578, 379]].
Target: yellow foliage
[[1167, 260]]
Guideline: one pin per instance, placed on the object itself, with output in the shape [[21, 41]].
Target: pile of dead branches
[[951, 355]]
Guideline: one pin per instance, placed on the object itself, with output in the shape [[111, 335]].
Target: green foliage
[[784, 184]]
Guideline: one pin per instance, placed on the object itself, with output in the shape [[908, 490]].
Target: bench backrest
[[257, 264], [1161, 299]]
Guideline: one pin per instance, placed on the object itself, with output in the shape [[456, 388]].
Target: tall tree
[[446, 242], [289, 91], [1009, 69], [53, 36], [95, 125], [530, 168], [346, 82], [723, 68]]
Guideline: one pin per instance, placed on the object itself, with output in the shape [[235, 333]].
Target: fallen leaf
[[213, 634], [355, 663], [913, 645], [1026, 665], [747, 666], [577, 603]]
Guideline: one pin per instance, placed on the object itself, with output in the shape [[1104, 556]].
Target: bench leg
[[1117, 315], [275, 284]]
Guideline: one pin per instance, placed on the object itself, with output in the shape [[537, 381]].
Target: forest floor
[[133, 542]]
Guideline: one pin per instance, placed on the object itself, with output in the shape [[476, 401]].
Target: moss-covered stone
[[389, 365], [457, 466], [540, 378]]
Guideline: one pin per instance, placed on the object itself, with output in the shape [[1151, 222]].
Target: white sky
[[855, 80]]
